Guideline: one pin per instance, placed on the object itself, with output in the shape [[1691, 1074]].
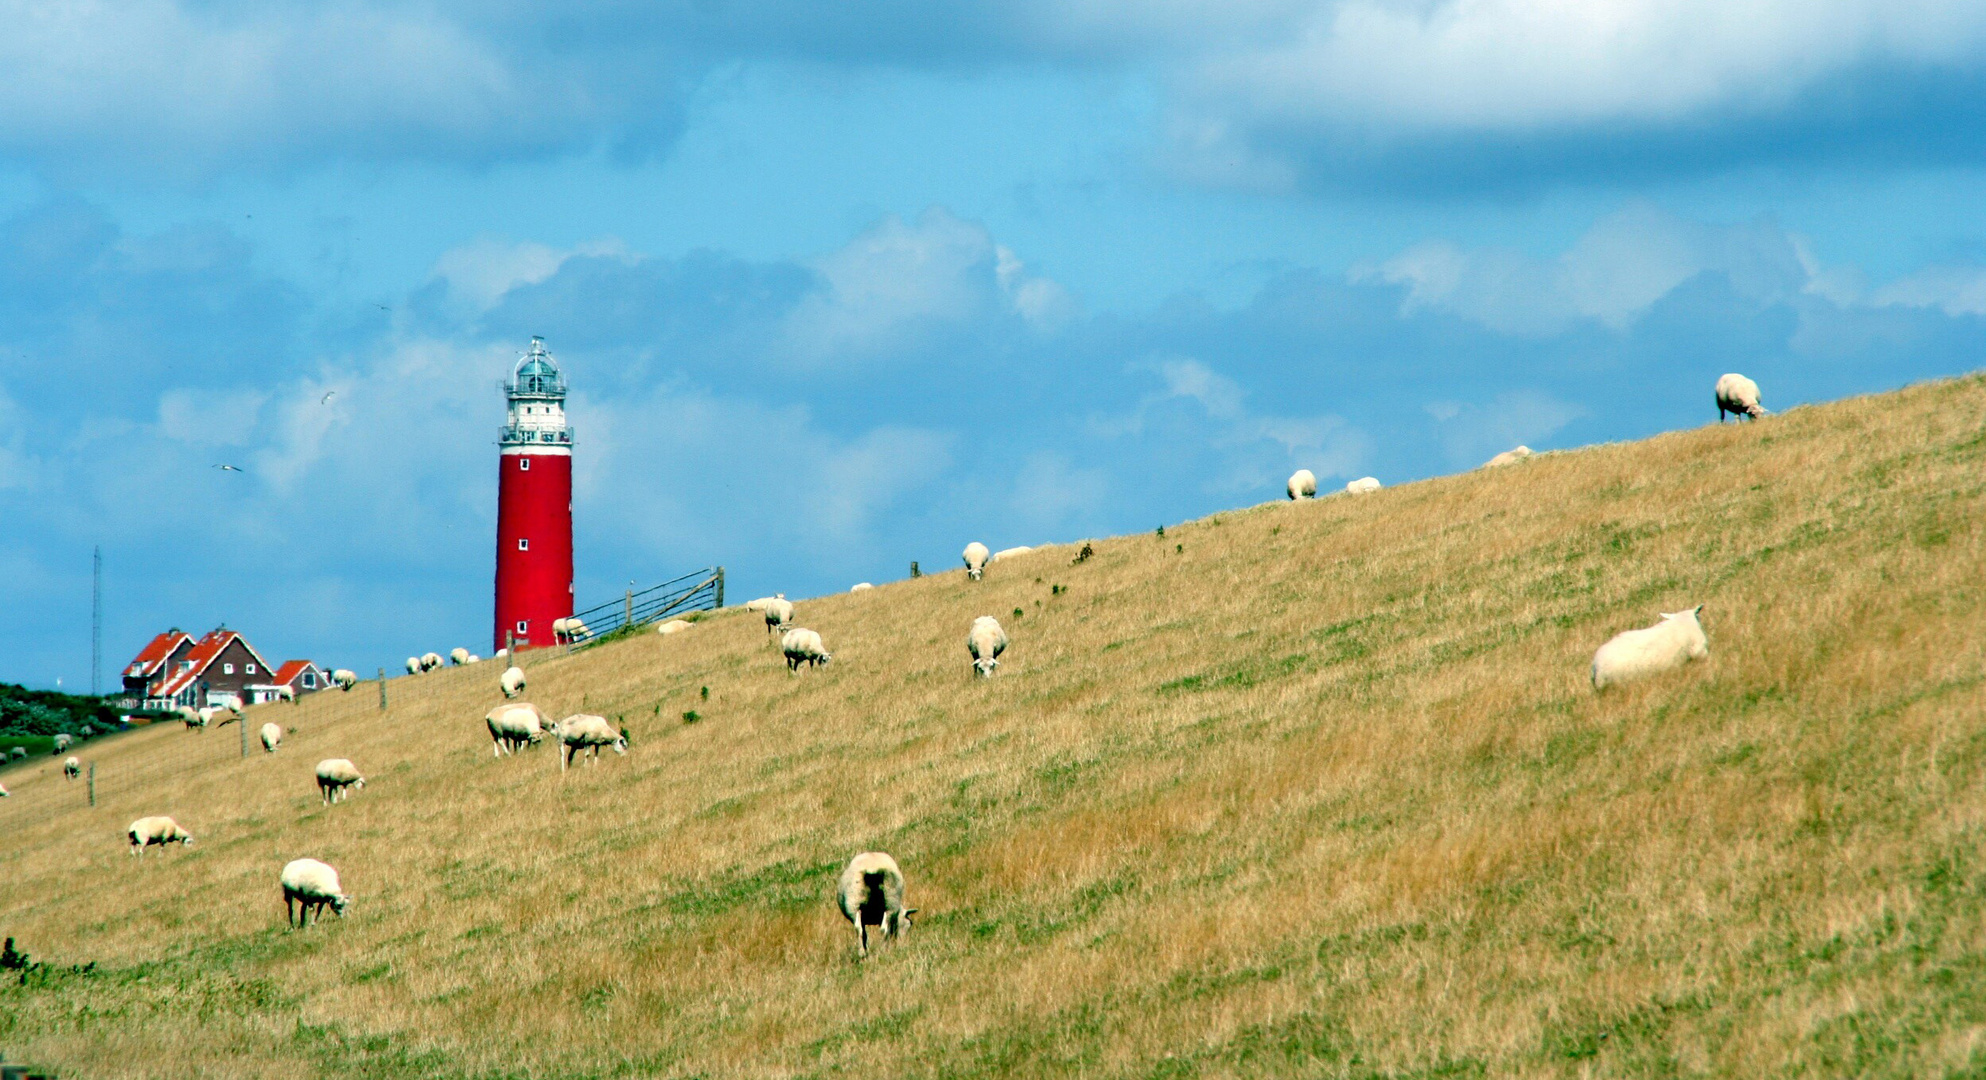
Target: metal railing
[[701, 590]]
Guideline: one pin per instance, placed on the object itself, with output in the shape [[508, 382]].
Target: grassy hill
[[1305, 789]]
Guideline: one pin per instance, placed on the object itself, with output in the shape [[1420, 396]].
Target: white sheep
[[975, 560], [413, 665], [803, 646], [191, 717], [458, 656], [1012, 552], [778, 612], [1633, 654], [584, 733], [870, 893], [1738, 396], [63, 742], [1364, 485], [674, 626], [430, 661], [1508, 457], [207, 715], [474, 659], [1302, 484], [985, 641], [308, 885], [861, 586], [4, 793], [272, 737], [512, 726], [570, 630], [345, 678], [72, 767], [761, 602], [287, 693], [147, 831], [336, 779], [512, 681], [501, 655]]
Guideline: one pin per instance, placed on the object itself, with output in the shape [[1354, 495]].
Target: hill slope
[[1313, 789]]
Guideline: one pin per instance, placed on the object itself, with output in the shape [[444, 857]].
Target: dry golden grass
[[1311, 789]]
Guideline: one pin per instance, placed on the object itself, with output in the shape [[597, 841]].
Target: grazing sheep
[[1302, 484], [458, 656], [430, 661], [803, 646], [1508, 457], [191, 717], [512, 726], [861, 586], [272, 737], [1738, 396], [17, 753], [512, 681], [761, 602], [1364, 485], [501, 655], [985, 641], [207, 715], [4, 793], [233, 704], [870, 893], [674, 626], [147, 831], [287, 693], [71, 767], [584, 733], [413, 665], [1633, 654], [975, 560], [345, 678], [570, 630], [778, 612], [63, 742], [1008, 553], [336, 777], [308, 885], [474, 659]]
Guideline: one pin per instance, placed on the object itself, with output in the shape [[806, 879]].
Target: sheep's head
[[975, 572], [339, 903], [621, 744], [985, 666], [897, 923]]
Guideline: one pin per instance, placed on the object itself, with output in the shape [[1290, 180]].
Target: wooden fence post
[[93, 783], [242, 722], [382, 689], [720, 586]]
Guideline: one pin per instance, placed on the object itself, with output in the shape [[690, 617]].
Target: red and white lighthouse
[[534, 504]]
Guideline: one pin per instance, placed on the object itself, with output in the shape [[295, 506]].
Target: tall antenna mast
[[96, 620]]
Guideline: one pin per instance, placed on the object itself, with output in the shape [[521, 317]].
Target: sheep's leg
[[862, 933]]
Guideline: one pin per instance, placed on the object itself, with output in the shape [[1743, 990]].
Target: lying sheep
[[1008, 553], [287, 693], [985, 641], [501, 655], [345, 678], [430, 661], [803, 646], [870, 893], [474, 659], [337, 778], [1737, 396], [147, 831], [71, 767], [778, 612], [1364, 485], [458, 656], [584, 733], [1302, 484], [1508, 457], [975, 560], [1633, 654], [18, 753], [514, 726], [512, 681], [272, 737], [308, 885], [861, 586], [413, 665], [674, 626]]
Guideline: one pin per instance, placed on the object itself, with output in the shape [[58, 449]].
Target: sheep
[[413, 665], [1364, 485], [975, 560], [861, 586], [761, 602], [474, 659], [570, 630], [512, 681], [430, 661], [207, 715], [778, 612], [458, 656], [191, 718], [336, 778], [512, 726], [18, 753], [63, 741], [501, 655], [272, 737], [803, 646], [4, 793], [345, 679], [147, 831], [1633, 654], [985, 641], [287, 693], [1738, 396], [1302, 485], [1508, 457], [674, 626], [870, 893], [1008, 553], [584, 733], [308, 885], [71, 767]]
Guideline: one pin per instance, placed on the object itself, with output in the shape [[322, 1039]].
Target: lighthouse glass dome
[[537, 375], [536, 392]]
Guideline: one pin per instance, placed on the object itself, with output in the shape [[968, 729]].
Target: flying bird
[[327, 397], [227, 468]]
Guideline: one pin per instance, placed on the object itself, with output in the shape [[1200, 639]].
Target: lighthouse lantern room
[[534, 504]]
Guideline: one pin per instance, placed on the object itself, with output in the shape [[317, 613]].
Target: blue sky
[[838, 287]]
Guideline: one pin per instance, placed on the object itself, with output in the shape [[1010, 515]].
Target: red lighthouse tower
[[534, 504]]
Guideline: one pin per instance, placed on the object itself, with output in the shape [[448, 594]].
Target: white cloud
[[1471, 433], [1955, 290], [479, 273], [210, 417]]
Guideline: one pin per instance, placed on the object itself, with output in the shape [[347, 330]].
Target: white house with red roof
[[175, 669]]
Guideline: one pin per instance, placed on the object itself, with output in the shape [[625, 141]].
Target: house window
[[523, 464], [523, 544], [309, 679], [523, 626], [227, 669], [250, 668]]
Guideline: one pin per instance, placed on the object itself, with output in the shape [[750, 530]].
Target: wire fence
[[700, 590], [108, 767]]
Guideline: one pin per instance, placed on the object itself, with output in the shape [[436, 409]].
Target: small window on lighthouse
[[523, 544], [523, 626], [523, 464]]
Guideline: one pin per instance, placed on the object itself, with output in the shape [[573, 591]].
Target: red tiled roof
[[289, 671], [203, 654], [147, 662]]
